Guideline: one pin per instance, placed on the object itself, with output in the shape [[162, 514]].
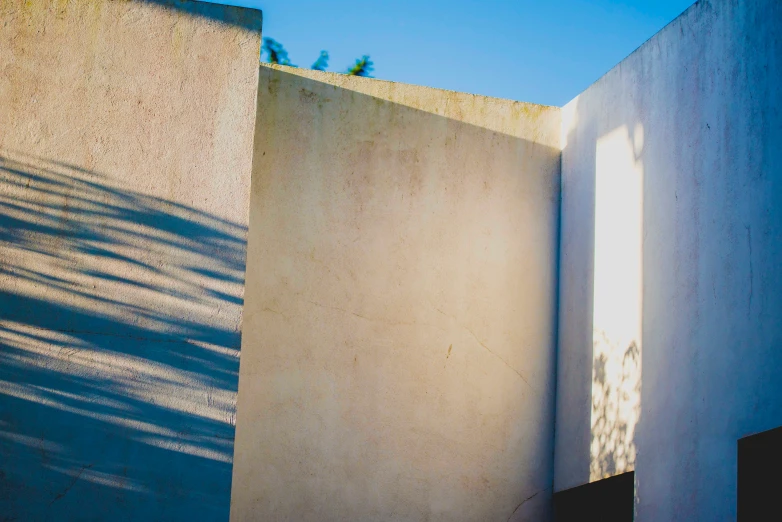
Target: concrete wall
[[398, 343], [671, 315], [125, 157]]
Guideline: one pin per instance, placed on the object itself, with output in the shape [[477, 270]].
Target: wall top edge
[[342, 79], [249, 18], [649, 41]]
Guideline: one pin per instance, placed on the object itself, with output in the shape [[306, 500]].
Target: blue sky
[[541, 51]]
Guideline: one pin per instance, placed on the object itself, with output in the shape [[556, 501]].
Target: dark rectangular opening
[[607, 500], [760, 477]]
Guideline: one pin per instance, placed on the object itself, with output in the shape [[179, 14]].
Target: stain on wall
[[398, 344]]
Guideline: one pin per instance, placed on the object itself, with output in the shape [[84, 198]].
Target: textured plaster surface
[[125, 156], [699, 108], [398, 341]]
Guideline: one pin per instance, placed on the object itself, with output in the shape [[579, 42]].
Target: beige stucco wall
[[125, 156], [398, 340]]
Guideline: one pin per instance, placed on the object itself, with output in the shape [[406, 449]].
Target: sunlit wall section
[[617, 306], [398, 343]]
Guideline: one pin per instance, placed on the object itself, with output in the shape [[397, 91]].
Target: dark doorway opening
[[607, 500], [760, 477]]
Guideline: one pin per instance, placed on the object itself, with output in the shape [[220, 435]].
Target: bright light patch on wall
[[616, 365]]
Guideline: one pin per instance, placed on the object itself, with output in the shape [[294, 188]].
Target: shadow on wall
[[616, 409], [119, 344], [249, 19]]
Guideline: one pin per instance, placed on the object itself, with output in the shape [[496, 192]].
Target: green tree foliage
[[322, 62], [362, 67], [276, 53]]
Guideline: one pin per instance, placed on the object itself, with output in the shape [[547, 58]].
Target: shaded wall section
[[125, 146], [691, 124], [398, 347]]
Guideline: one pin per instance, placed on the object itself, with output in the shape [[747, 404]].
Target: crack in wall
[[71, 484], [751, 274], [525, 501], [486, 347], [367, 318]]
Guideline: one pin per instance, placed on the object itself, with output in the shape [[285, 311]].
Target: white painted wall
[[692, 125], [398, 339]]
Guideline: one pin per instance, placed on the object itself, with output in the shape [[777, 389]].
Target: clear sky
[[541, 51]]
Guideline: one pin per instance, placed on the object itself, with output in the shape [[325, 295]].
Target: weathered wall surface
[[398, 342], [682, 141], [125, 157]]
